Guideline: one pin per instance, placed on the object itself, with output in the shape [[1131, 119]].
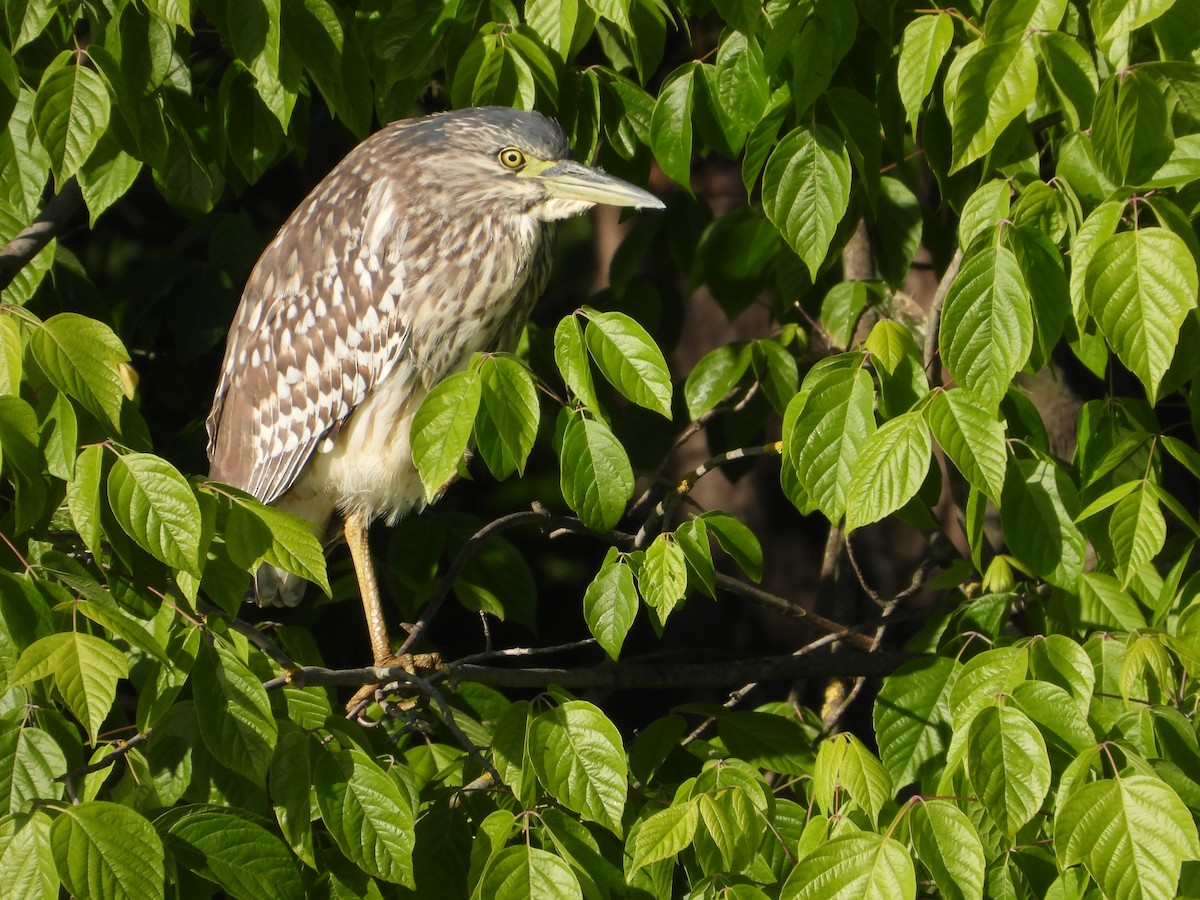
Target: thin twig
[[537, 516], [793, 610], [252, 634]]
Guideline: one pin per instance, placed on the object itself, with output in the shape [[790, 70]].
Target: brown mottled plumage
[[429, 242]]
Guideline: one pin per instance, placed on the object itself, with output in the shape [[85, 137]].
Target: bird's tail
[[276, 587]]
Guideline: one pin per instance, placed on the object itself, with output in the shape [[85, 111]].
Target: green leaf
[[290, 545], [81, 357], [442, 427], [1138, 532], [597, 480], [106, 176], [986, 331], [948, 844], [1040, 505], [26, 860], [106, 850], [665, 834], [85, 669], [610, 605], [1008, 766], [806, 190], [250, 128], [835, 419], [1131, 137], [1140, 286], [889, 471], [70, 114], [570, 355], [663, 575], [577, 754], [520, 872], [922, 49], [692, 539], [992, 672], [234, 712], [912, 717], [972, 438], [994, 86], [671, 125], [1056, 713], [1113, 19], [1132, 834], [509, 414], [714, 376], [97, 603], [851, 867], [155, 506], [30, 761], [1103, 603], [1072, 75], [234, 850], [289, 781], [736, 539], [630, 360], [844, 764], [368, 816]]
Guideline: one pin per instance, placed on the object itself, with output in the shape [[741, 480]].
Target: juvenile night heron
[[429, 242]]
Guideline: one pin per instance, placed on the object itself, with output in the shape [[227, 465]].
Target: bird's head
[[520, 161]]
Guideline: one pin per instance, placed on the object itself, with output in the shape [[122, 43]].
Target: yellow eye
[[512, 158]]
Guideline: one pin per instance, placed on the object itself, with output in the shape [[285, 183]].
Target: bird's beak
[[569, 180]]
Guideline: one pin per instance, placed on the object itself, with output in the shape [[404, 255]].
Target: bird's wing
[[320, 323]]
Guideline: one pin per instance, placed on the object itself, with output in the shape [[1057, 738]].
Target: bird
[[429, 242]]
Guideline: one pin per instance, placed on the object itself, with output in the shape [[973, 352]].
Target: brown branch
[[793, 610], [49, 224]]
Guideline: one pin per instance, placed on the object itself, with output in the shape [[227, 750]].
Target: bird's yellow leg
[[355, 528]]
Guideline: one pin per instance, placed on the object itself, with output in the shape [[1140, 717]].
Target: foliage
[[1036, 733]]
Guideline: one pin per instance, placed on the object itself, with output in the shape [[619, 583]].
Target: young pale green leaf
[[1103, 603], [521, 871], [597, 480], [671, 125], [85, 669], [853, 866], [81, 357], [30, 761], [1100, 224], [1059, 660], [743, 90], [442, 427], [630, 360], [1040, 504], [509, 414], [235, 850], [983, 210], [1005, 21], [890, 469], [577, 754], [610, 605], [1113, 19], [826, 438], [806, 190], [912, 717], [369, 817], [156, 507], [1140, 285], [570, 354], [987, 323], [948, 844], [665, 834], [1138, 531], [1132, 834], [234, 712], [736, 539], [714, 376], [844, 764], [663, 576], [732, 829], [26, 860], [993, 88], [70, 113], [12, 349], [841, 309], [107, 850], [1071, 75], [1008, 766], [922, 49], [293, 546], [973, 439]]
